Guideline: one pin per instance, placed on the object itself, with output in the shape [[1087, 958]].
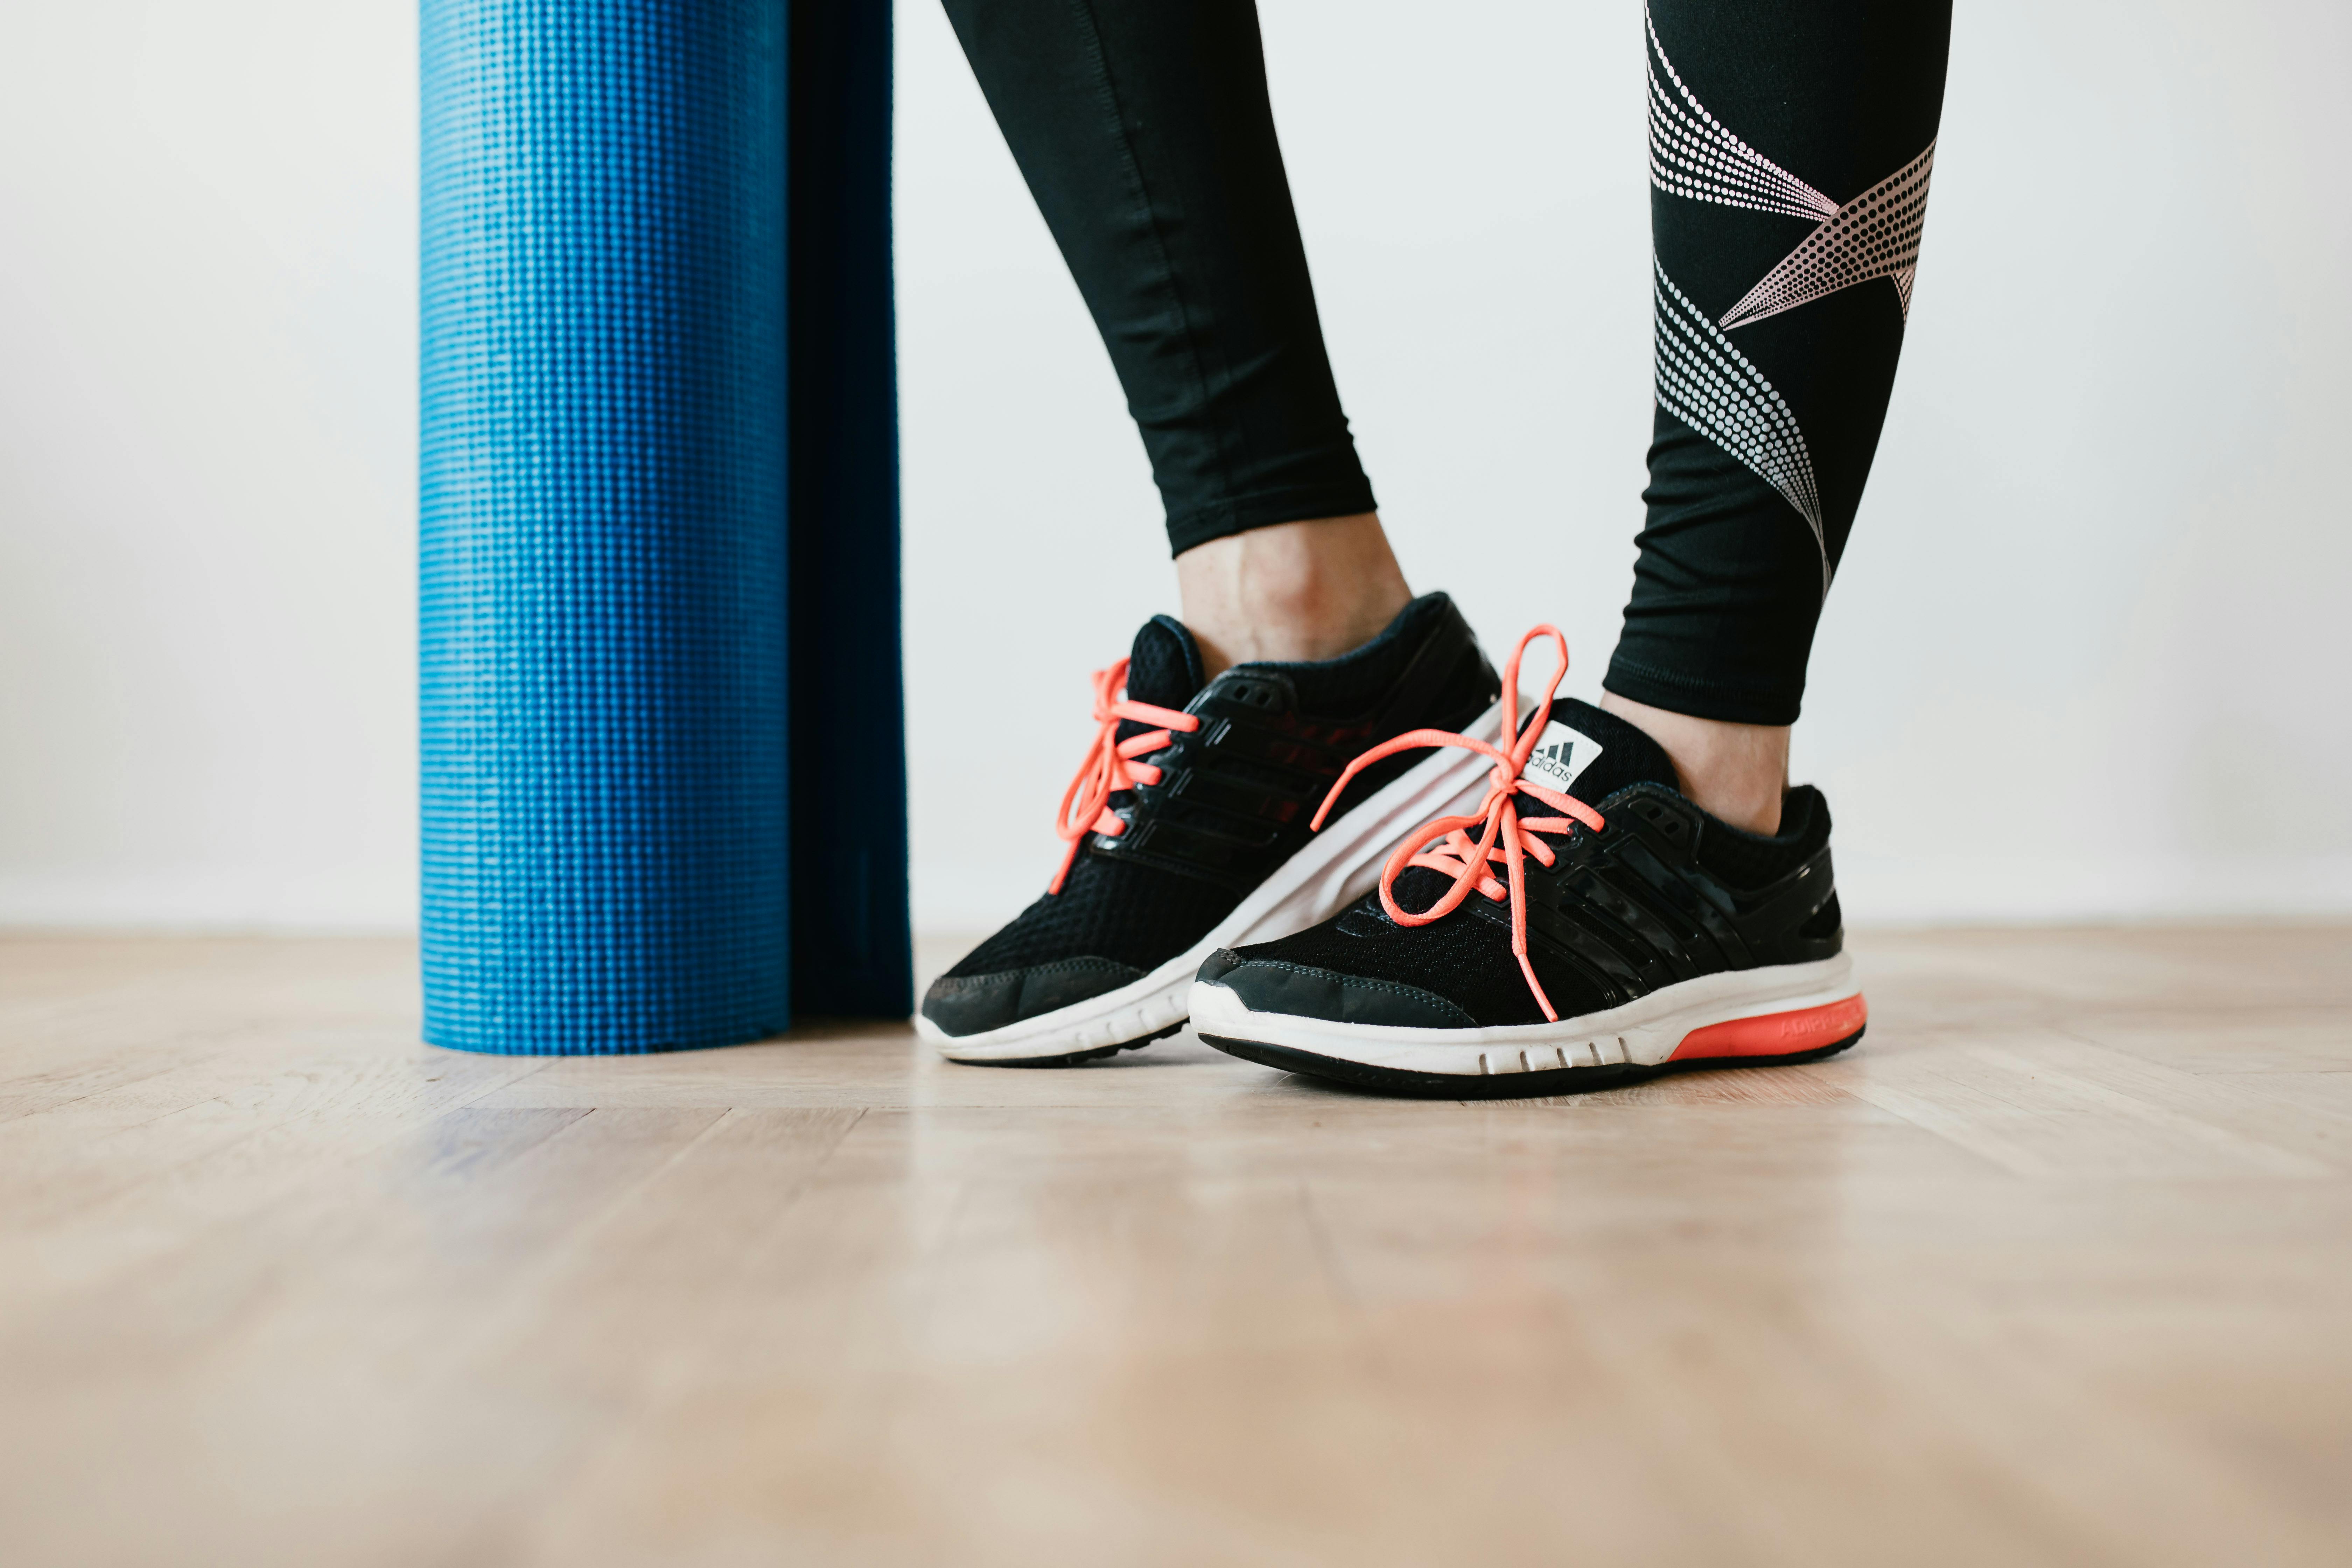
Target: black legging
[[1791, 142]]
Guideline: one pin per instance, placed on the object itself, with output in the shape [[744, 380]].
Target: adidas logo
[[1559, 756]]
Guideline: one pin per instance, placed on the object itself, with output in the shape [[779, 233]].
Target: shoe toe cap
[[973, 1004], [1222, 962], [1272, 985]]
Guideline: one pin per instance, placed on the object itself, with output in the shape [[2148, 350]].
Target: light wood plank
[[2055, 1268]]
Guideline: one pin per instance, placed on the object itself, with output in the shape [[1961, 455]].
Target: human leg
[[1145, 133], [1790, 146], [1639, 891], [1291, 591], [1146, 137]]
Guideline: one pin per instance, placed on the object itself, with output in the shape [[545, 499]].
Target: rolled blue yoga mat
[[663, 762]]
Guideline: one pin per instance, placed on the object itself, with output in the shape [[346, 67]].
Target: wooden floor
[[2055, 1268]]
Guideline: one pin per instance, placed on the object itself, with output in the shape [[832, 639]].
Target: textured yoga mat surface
[[605, 551]]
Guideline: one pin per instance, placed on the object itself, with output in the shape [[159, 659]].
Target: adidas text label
[[1559, 756]]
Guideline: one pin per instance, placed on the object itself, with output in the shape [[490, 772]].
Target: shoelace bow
[[1110, 764], [1506, 837]]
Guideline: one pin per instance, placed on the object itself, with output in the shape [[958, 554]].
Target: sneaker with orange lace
[[1187, 831], [1582, 925]]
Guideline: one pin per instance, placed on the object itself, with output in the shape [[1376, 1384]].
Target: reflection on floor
[[2056, 1268]]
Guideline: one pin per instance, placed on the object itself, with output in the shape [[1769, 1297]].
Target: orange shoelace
[[1507, 838], [1110, 764]]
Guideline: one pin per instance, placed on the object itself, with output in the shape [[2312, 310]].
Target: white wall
[[2082, 658], [207, 462]]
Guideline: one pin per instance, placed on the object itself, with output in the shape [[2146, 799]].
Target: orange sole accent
[[1775, 1033]]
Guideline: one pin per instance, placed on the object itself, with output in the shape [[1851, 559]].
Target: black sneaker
[[1187, 830], [1645, 937]]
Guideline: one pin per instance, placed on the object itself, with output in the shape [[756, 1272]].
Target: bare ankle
[[1295, 590], [1735, 771]]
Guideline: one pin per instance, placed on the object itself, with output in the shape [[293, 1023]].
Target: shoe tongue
[[1580, 751], [1164, 667], [1592, 755]]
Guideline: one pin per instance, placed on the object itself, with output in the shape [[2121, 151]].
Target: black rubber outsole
[[1072, 1059], [1503, 1086]]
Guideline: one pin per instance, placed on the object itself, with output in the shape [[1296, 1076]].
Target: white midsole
[[1336, 867], [1643, 1033]]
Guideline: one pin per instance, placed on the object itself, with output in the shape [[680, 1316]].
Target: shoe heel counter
[[1470, 685], [1797, 920], [1449, 682], [1823, 935]]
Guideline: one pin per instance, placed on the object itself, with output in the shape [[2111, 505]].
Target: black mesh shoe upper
[[1232, 803], [1663, 893]]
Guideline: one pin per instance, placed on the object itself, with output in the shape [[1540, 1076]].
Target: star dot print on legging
[[1718, 391], [1876, 235]]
